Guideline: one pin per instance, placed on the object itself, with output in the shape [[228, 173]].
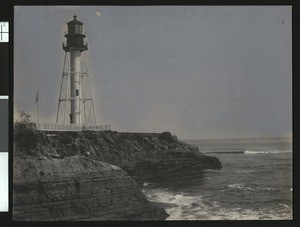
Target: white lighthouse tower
[[75, 105]]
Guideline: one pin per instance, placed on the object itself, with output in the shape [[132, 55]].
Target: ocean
[[255, 183]]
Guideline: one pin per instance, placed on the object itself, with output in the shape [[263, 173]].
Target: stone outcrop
[[78, 171], [145, 156], [77, 188]]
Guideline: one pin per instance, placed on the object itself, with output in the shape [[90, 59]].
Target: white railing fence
[[71, 127]]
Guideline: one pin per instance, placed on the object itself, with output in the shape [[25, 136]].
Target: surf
[[250, 152]]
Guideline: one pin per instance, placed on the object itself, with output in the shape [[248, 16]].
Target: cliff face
[[145, 156], [63, 174], [77, 188]]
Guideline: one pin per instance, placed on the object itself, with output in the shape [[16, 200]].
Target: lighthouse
[[75, 105]]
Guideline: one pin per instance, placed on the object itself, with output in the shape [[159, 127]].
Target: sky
[[197, 71]]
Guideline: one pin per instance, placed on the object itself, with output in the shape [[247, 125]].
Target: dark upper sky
[[198, 72]]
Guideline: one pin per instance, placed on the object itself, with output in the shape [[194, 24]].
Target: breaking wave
[[250, 152], [181, 206], [242, 186], [268, 152]]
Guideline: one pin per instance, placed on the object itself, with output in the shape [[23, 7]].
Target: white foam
[[241, 186], [237, 186], [286, 206], [145, 184], [199, 208], [268, 152]]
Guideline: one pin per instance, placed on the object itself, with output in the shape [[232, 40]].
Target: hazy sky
[[196, 71]]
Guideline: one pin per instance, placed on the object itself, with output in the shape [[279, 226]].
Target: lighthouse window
[[78, 28], [77, 92]]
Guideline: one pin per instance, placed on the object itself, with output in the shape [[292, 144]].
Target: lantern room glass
[[78, 29]]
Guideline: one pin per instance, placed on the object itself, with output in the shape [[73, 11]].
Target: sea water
[[255, 182]]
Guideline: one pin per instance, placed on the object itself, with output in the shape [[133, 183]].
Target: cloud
[[98, 14]]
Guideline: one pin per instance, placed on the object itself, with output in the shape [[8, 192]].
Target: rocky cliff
[[77, 188], [74, 175]]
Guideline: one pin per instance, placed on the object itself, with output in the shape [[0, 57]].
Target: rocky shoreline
[[97, 175]]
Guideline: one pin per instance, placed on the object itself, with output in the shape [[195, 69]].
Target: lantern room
[[75, 36]]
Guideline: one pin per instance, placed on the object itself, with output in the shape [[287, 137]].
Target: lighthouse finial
[[75, 17]]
